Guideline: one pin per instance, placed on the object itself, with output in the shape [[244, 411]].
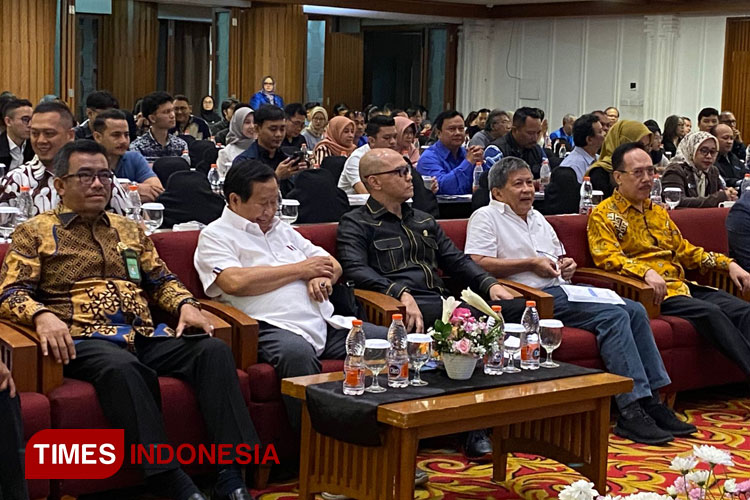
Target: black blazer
[[5, 158]]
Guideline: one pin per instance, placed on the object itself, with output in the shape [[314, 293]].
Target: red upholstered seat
[[35, 413], [571, 230]]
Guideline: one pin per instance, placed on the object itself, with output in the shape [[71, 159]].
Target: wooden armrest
[[222, 329], [379, 307], [19, 354], [49, 373], [625, 287], [244, 335], [545, 303], [719, 278]]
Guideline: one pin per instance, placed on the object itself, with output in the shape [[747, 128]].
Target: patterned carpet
[[722, 416]]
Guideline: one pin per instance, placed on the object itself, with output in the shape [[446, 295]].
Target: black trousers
[[720, 317], [128, 389], [12, 480]]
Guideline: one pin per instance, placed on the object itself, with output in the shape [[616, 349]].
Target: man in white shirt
[[381, 134], [510, 239], [251, 260], [15, 149]]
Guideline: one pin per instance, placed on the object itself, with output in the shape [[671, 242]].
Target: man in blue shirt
[[447, 160], [564, 133], [111, 131]]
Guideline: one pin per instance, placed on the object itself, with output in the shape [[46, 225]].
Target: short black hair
[[268, 112], [483, 110], [376, 123], [101, 99], [340, 107], [520, 115], [152, 101], [13, 105], [61, 161], [56, 107], [181, 97], [653, 126], [583, 128], [618, 157], [5, 97], [240, 178], [100, 122], [708, 112], [445, 115], [310, 105], [228, 103], [413, 112], [295, 108]]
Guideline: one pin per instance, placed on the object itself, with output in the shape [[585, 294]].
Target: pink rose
[[696, 494], [463, 346], [679, 483], [743, 487], [460, 314]]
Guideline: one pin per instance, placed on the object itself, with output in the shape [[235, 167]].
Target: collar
[[13, 146], [623, 204], [67, 216], [512, 142], [378, 211], [506, 209], [236, 221], [444, 152], [584, 153]]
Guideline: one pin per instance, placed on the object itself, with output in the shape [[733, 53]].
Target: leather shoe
[[666, 419], [637, 425], [197, 496], [238, 494], [477, 445]]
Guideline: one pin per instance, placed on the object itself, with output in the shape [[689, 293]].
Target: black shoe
[[635, 424], [197, 496], [238, 494], [477, 445], [666, 419]]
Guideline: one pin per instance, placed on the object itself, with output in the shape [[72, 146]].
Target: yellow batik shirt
[[60, 263], [629, 242]]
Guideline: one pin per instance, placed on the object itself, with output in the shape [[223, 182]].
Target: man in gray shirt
[[498, 124]]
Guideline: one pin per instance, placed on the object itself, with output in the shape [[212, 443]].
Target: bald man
[[731, 168], [738, 147]]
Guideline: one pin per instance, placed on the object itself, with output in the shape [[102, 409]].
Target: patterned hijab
[[235, 135], [621, 132], [689, 145], [333, 137], [313, 112]]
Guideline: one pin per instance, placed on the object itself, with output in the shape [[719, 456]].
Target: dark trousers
[[128, 388], [720, 317], [12, 480], [431, 307]]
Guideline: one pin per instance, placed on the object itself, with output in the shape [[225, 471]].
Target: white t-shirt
[[497, 231], [233, 241], [350, 174]]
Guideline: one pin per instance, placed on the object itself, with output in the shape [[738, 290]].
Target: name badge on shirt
[[130, 259]]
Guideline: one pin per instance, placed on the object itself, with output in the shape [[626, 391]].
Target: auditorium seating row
[[49, 400]]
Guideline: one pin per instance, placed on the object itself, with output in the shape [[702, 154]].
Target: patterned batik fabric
[[61, 263], [624, 240], [150, 147]]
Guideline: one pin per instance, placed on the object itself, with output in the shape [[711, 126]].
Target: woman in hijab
[[266, 94], [208, 110], [314, 132], [693, 171], [338, 140], [407, 132], [621, 132], [240, 137]]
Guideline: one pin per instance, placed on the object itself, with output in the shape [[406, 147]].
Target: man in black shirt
[[731, 168], [295, 122], [520, 142], [738, 147]]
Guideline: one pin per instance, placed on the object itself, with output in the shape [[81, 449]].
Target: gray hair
[[569, 117], [493, 115], [501, 170]]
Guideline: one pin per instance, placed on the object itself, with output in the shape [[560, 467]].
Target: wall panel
[[344, 62]]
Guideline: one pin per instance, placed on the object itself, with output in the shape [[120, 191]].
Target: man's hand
[[192, 316], [545, 268], [731, 194], [737, 134], [499, 292], [567, 268], [655, 281], [434, 186], [319, 289], [288, 168], [414, 321], [475, 154], [54, 336], [149, 192], [316, 267], [6, 380], [740, 277]]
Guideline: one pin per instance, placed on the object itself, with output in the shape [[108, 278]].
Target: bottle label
[[398, 370], [530, 352], [352, 377]]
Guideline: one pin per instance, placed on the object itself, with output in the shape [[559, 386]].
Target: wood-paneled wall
[[344, 61], [27, 47], [268, 40], [128, 45], [735, 95]]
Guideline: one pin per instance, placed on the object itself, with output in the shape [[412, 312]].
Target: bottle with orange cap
[[25, 205], [398, 357], [530, 347], [354, 367]]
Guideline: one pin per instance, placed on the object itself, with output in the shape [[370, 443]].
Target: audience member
[[185, 122], [266, 95], [96, 102], [564, 133], [654, 148], [477, 123], [621, 132], [738, 148], [313, 134], [405, 143], [613, 113], [15, 147], [208, 111], [509, 239], [497, 125], [693, 171], [673, 133], [158, 108], [241, 135], [295, 122], [707, 118], [604, 120], [687, 126], [731, 168], [338, 140], [521, 141], [738, 231], [359, 131], [381, 134], [340, 109], [415, 115], [5, 97], [227, 109], [631, 236]]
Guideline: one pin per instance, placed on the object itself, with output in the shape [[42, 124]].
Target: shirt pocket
[[430, 249], [390, 254]]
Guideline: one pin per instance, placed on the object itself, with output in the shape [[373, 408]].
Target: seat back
[[188, 197], [704, 227], [166, 166], [334, 165], [319, 198], [197, 150], [322, 235], [571, 230], [176, 249], [455, 229]]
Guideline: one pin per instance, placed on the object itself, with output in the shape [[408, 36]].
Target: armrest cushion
[[49, 372], [628, 288], [545, 303], [379, 307], [244, 331]]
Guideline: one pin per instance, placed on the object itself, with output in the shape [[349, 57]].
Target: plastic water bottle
[[530, 337], [214, 178], [25, 205], [544, 175], [745, 184], [478, 171], [656, 191], [186, 156], [134, 204], [587, 197], [354, 367], [398, 359]]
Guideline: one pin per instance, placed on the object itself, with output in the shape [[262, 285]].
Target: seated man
[[564, 134], [15, 146], [97, 102], [738, 232], [83, 279], [158, 108], [388, 247], [12, 480], [521, 141], [186, 123], [631, 236], [250, 259], [730, 166], [738, 147], [499, 238]]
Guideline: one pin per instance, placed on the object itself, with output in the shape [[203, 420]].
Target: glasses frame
[[402, 171], [651, 172], [106, 180]]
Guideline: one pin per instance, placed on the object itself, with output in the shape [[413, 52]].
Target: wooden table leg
[[599, 445], [307, 446], [407, 443], [499, 456]]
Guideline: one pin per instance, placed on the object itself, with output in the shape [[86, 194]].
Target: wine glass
[[672, 196], [512, 345], [153, 216], [419, 348], [8, 216], [375, 352], [550, 331], [289, 211]]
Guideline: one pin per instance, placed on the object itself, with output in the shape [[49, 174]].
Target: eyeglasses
[[640, 172], [267, 83], [86, 178], [402, 171], [708, 152]]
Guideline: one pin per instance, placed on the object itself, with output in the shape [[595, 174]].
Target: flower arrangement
[[458, 332], [693, 483]]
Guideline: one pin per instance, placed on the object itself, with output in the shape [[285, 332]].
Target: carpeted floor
[[721, 415]]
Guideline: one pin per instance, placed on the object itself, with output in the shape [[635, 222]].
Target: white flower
[[477, 302], [672, 491], [449, 305], [699, 477], [713, 456], [647, 495], [683, 464], [730, 486], [580, 490]]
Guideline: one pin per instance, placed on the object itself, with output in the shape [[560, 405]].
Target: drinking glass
[[512, 345], [419, 348], [493, 360], [153, 216], [375, 352], [8, 216], [550, 332], [672, 196], [289, 211]]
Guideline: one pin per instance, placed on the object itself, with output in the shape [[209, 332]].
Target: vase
[[458, 366]]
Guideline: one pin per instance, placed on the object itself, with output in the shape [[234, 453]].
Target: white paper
[[592, 294]]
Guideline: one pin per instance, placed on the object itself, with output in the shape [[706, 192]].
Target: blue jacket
[[738, 231], [259, 99], [454, 174]]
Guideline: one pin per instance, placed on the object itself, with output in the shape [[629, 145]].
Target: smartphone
[[193, 333]]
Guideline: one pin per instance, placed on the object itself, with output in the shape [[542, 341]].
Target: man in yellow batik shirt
[[631, 236]]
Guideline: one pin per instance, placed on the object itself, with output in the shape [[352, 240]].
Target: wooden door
[[735, 95], [344, 61]]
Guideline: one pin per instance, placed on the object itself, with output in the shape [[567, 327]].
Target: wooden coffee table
[[565, 419]]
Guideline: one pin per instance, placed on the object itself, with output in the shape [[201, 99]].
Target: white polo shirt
[[350, 173], [496, 231], [233, 241]]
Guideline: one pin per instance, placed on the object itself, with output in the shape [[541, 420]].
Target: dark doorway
[[393, 68]]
